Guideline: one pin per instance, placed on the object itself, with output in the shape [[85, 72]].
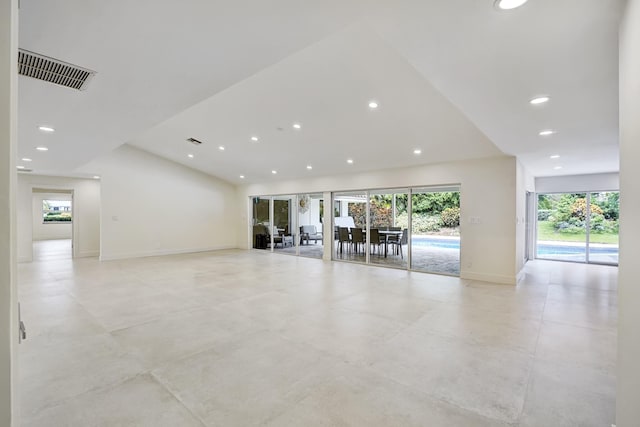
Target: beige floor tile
[[487, 380], [593, 348], [139, 401], [246, 381], [346, 334], [564, 396], [50, 373], [362, 398], [183, 333]]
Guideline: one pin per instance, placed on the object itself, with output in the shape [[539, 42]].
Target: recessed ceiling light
[[221, 148], [309, 167], [546, 132], [254, 138], [373, 105], [42, 149], [20, 167], [509, 4], [46, 129], [558, 167], [96, 177], [274, 172], [539, 100], [297, 126], [417, 151], [241, 176], [554, 156], [190, 156], [350, 161], [26, 159]]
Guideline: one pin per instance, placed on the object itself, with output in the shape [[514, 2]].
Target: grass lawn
[[547, 232]]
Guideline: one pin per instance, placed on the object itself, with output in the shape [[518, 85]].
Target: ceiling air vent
[[24, 170], [52, 70], [194, 141]]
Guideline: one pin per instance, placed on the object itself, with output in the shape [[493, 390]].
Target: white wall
[[152, 206], [488, 191], [86, 212], [628, 395], [49, 231], [9, 402], [578, 183]]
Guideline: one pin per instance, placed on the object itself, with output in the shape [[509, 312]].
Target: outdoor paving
[[428, 259]]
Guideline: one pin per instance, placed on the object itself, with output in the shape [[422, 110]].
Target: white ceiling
[[452, 77]]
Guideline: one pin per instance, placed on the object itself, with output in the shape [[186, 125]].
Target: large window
[[580, 227], [56, 211]]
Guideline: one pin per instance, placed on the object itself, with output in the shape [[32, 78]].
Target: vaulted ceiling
[[452, 79]]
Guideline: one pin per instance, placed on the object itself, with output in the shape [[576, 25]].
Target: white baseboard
[[88, 254], [492, 278], [162, 252]]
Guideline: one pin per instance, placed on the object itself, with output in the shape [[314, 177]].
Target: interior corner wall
[[628, 378], [49, 230], [488, 192], [153, 206], [524, 183], [9, 396], [86, 212]]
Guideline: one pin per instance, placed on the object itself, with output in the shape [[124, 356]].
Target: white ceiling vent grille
[[52, 70]]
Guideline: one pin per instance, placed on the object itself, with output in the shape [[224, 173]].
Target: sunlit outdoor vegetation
[[433, 213], [563, 217]]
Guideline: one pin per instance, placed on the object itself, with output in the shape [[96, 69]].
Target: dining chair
[[343, 237], [374, 239], [357, 238], [397, 243]]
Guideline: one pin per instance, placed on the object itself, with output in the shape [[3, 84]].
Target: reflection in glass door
[[284, 224], [603, 227], [261, 235], [435, 230]]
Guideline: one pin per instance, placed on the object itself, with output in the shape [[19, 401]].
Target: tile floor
[[238, 338]]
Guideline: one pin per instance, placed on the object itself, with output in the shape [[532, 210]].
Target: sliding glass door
[[579, 227], [350, 225], [435, 230], [310, 217], [388, 219], [284, 224]]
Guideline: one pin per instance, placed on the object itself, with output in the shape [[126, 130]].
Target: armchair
[[310, 232]]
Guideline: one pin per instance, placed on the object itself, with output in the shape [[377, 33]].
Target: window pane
[[350, 211], [435, 231], [388, 220], [603, 227], [54, 211], [310, 213], [562, 233]]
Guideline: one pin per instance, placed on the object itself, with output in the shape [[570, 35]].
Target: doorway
[[52, 229]]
